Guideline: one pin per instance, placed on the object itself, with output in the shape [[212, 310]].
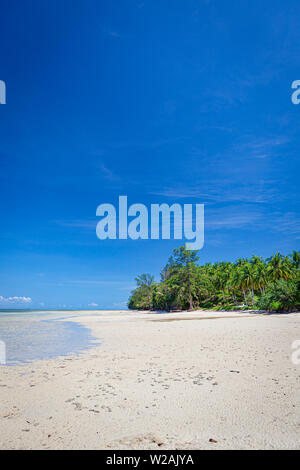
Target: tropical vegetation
[[271, 284]]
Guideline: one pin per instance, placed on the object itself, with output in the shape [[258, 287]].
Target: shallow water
[[33, 335]]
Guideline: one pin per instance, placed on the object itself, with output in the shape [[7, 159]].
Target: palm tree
[[295, 256], [231, 283], [237, 280], [223, 272], [279, 267], [248, 278], [260, 277], [259, 273]]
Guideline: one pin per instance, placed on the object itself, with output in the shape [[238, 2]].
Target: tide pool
[[33, 335]]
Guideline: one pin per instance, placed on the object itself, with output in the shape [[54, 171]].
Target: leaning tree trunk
[[190, 292]]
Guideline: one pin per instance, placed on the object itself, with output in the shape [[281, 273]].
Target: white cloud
[[16, 299], [93, 304]]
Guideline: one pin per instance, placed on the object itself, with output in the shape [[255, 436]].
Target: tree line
[[271, 284]]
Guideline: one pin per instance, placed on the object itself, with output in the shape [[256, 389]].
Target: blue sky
[[186, 102]]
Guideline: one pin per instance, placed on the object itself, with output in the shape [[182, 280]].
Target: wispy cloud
[[260, 147], [231, 218], [231, 175], [288, 222], [252, 218], [15, 300], [108, 174], [220, 191]]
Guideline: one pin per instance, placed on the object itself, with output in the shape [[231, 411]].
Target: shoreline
[[156, 382]]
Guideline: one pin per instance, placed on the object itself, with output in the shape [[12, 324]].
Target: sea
[[28, 335]]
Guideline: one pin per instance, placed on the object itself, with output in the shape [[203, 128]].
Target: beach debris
[[154, 439], [213, 440], [106, 408], [235, 371]]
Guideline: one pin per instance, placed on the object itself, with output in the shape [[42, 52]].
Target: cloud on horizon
[[15, 300]]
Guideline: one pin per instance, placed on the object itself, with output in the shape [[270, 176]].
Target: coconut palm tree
[[248, 277], [237, 280], [231, 283], [279, 267], [260, 277], [295, 256], [259, 273]]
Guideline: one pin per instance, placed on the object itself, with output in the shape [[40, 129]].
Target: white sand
[[158, 384]]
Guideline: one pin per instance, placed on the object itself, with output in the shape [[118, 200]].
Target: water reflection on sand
[[42, 335]]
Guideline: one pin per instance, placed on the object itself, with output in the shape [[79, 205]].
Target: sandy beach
[[161, 381]]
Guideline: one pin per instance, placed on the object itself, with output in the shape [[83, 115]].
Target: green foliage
[[281, 295], [271, 284]]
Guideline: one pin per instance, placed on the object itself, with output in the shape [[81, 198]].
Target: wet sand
[[158, 383]]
